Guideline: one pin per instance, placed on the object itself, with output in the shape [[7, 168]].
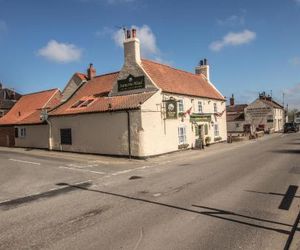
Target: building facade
[[235, 117], [265, 114], [23, 126], [145, 109]]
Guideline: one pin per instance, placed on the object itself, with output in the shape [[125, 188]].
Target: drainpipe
[[129, 134], [50, 134]]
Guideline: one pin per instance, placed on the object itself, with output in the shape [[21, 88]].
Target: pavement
[[229, 196]]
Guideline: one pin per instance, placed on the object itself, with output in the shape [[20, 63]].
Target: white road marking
[[84, 170], [27, 162]]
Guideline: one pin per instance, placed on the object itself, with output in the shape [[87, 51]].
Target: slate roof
[[271, 103], [236, 108], [27, 110]]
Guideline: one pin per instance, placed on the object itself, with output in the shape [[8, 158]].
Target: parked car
[[291, 127]]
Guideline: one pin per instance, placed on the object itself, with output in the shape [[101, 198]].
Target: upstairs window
[[215, 108], [180, 106], [200, 108]]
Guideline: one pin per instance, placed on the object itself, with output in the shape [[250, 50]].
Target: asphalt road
[[239, 196]]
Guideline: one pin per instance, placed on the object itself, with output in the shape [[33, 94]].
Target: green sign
[[131, 83], [200, 118], [171, 109]]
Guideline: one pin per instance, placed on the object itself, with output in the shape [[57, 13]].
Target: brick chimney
[[132, 52], [231, 100], [91, 72], [203, 68]]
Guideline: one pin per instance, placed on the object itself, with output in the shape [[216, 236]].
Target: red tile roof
[[27, 110], [167, 78], [180, 82], [97, 90]]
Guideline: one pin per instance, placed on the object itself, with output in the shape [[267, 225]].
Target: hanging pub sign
[[171, 109], [131, 83]]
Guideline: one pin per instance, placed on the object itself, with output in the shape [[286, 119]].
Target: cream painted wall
[[36, 136], [161, 136], [276, 114], [99, 133]]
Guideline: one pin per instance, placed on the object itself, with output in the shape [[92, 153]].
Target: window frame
[[182, 138], [22, 132], [180, 105], [200, 104], [215, 107], [66, 139], [216, 130]]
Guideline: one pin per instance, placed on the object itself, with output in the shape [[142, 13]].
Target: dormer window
[[82, 103], [77, 104], [86, 103]]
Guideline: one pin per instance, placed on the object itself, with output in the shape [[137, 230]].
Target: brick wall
[[7, 136]]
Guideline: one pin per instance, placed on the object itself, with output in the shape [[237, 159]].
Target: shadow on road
[[214, 212], [287, 151]]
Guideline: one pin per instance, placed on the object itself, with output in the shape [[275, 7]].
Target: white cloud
[[147, 38], [3, 25], [60, 52], [232, 20], [233, 39]]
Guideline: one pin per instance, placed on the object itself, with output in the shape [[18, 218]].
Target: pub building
[[145, 109]]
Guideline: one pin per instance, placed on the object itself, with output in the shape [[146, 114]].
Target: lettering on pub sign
[[131, 83], [171, 109]]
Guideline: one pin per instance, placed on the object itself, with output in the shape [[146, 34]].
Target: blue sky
[[251, 45]]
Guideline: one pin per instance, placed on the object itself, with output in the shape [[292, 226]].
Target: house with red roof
[[145, 109], [23, 125]]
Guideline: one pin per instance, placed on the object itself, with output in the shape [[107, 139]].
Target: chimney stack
[[203, 68], [132, 52], [91, 72], [232, 100]]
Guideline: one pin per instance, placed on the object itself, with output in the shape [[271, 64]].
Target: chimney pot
[[133, 33], [128, 34], [232, 100]]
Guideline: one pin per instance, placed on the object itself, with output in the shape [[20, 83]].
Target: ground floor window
[[217, 130], [66, 136], [21, 133], [182, 135]]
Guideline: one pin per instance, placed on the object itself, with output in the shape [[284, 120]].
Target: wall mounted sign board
[[131, 83]]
